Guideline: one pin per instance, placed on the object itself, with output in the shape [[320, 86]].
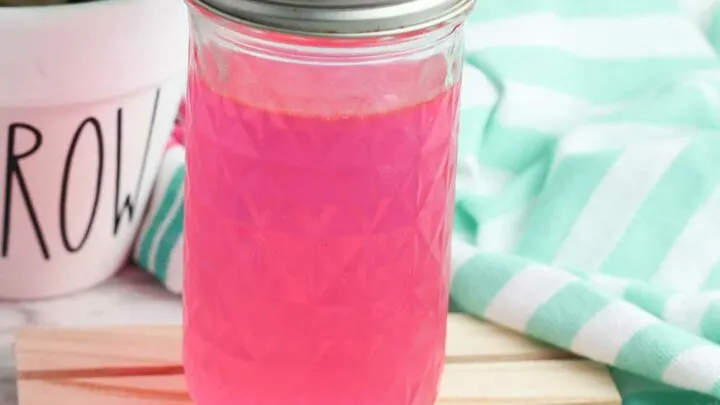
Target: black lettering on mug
[[130, 201], [97, 129], [14, 171]]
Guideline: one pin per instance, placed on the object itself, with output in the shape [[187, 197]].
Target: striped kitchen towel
[[588, 207], [159, 248], [588, 194]]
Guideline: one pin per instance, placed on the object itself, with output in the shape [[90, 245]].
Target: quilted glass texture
[[317, 222]]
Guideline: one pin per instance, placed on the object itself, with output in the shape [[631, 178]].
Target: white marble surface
[[131, 298]]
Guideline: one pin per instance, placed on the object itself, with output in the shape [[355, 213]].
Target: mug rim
[[59, 8], [78, 53]]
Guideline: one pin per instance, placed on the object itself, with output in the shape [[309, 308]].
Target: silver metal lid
[[343, 18]]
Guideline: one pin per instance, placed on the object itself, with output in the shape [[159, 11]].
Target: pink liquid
[[317, 234]]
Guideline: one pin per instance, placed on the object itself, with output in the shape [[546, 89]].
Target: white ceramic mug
[[88, 97]]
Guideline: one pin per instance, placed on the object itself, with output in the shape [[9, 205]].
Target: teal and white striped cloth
[[159, 247], [588, 193]]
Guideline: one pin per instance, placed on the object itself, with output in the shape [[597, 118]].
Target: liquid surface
[[317, 236]]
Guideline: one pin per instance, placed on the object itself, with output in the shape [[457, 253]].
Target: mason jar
[[321, 154]]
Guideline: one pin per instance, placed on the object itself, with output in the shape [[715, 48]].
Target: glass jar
[[319, 197]]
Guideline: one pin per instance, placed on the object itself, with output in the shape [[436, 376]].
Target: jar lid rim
[[339, 18]]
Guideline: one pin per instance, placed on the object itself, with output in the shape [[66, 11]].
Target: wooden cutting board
[[141, 366]]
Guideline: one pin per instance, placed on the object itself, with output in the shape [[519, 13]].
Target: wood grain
[[141, 366], [566, 382], [62, 349], [470, 340]]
